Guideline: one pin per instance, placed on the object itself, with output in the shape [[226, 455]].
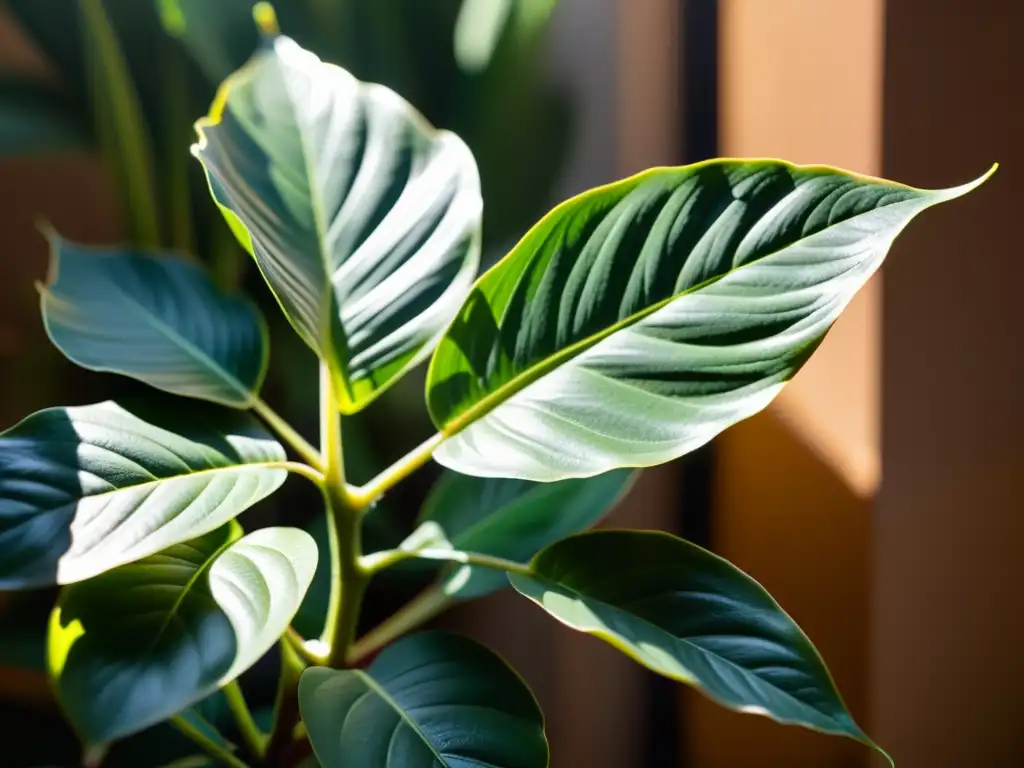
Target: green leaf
[[363, 219], [36, 118], [482, 23], [120, 125], [430, 699], [513, 519], [691, 616], [638, 320], [219, 36], [158, 319], [138, 644], [86, 489]]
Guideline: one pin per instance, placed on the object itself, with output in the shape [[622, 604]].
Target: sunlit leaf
[[86, 489], [136, 645], [363, 219], [638, 320]]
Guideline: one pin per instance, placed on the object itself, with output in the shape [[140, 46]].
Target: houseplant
[[631, 325]]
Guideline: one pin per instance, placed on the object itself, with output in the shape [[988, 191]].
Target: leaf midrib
[[316, 204], [377, 688], [745, 672], [172, 478], [537, 371], [197, 354], [186, 589]]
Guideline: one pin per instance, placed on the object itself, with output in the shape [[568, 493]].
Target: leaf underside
[[363, 219], [86, 489], [638, 320]]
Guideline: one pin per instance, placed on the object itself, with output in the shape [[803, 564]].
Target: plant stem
[[255, 740], [212, 748], [286, 708], [421, 609], [289, 434], [344, 527], [365, 495], [380, 561]]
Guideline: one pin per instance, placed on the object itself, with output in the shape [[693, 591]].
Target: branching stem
[[289, 434]]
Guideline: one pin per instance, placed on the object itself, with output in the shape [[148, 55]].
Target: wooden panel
[[947, 666], [801, 80]]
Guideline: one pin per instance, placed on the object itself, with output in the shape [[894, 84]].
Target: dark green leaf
[[514, 519], [691, 616], [155, 318], [35, 117], [219, 35], [85, 489], [428, 700], [638, 320], [363, 219], [138, 644]]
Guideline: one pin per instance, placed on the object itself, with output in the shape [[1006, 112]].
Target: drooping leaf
[[514, 519], [157, 318], [692, 616], [363, 219], [136, 645], [86, 489], [120, 125], [638, 320], [431, 699], [36, 118]]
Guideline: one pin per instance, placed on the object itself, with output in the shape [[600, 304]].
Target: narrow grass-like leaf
[[120, 126], [363, 219], [156, 318], [638, 320], [86, 489], [432, 699], [138, 644]]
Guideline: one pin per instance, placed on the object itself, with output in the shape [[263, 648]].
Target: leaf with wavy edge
[[432, 699], [156, 318], [364, 220], [138, 644], [86, 489], [638, 320], [692, 616]]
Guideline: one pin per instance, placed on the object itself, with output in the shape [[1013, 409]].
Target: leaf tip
[[266, 19], [94, 754], [970, 186], [46, 229]]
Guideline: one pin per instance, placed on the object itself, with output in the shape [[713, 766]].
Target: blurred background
[[878, 499]]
